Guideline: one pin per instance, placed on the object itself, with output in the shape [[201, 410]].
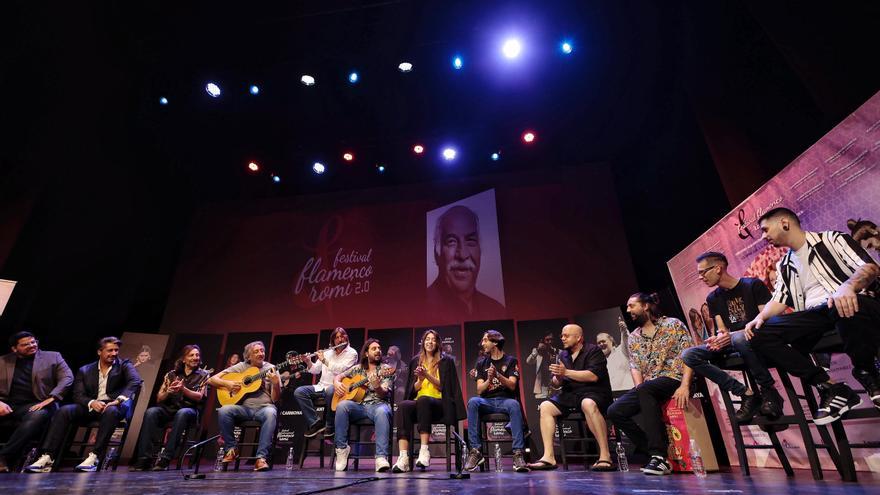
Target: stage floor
[[433, 482]]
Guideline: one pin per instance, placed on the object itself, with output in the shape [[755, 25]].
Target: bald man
[[582, 375], [453, 295]]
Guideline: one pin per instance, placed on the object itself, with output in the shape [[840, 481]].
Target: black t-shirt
[[176, 402], [739, 305], [590, 358], [506, 366], [22, 390]]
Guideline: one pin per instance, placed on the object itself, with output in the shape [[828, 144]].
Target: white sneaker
[[424, 459], [89, 465], [382, 464], [402, 464], [342, 458], [41, 465]]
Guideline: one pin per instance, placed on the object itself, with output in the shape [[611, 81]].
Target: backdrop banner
[[833, 185]]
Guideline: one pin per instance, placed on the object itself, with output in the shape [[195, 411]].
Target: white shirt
[[618, 370], [814, 293], [336, 363]]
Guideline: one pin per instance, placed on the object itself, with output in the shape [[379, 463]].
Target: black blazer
[[122, 380], [453, 404]]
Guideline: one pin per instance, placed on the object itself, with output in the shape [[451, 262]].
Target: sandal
[[542, 465], [603, 466]]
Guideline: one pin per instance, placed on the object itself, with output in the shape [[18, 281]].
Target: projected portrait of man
[[453, 296]]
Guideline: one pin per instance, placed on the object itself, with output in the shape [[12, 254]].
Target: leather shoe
[[231, 455], [261, 465]]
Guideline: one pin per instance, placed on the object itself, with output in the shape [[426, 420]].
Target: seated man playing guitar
[[370, 381], [258, 405]]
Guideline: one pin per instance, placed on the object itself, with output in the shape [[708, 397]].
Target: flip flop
[[542, 465], [603, 466]]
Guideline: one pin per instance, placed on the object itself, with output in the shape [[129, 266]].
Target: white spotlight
[[405, 67], [307, 80], [319, 168], [511, 48], [449, 154], [213, 90]]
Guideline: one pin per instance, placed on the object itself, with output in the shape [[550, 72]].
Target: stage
[[432, 482]]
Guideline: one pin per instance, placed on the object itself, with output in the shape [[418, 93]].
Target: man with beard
[[582, 376], [375, 406], [453, 295], [32, 384], [658, 374], [255, 406], [497, 386], [328, 364], [821, 278], [733, 303], [101, 391], [617, 357]]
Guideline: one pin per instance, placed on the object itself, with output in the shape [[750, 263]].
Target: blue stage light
[[319, 168], [380, 169], [405, 67], [213, 90], [163, 101], [496, 156], [457, 62], [449, 154], [255, 90], [511, 48], [353, 77], [276, 179], [566, 47], [307, 80]]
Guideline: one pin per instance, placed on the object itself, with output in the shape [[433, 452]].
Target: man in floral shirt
[[659, 374]]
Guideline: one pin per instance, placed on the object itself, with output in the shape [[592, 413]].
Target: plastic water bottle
[[622, 463], [697, 459], [31, 457], [289, 465], [108, 459], [218, 464], [499, 465]]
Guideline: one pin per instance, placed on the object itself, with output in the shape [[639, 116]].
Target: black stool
[[451, 444], [320, 403], [584, 437], [244, 428]]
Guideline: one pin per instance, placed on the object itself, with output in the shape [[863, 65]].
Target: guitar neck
[[262, 374]]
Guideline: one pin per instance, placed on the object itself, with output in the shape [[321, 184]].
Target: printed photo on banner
[[464, 276]]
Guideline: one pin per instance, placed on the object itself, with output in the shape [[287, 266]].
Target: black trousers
[[26, 426], [785, 340], [645, 399], [425, 411], [75, 414]]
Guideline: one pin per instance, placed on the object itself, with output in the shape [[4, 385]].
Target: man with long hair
[[179, 400], [432, 395], [258, 405], [822, 278], [375, 405], [659, 375], [328, 364]]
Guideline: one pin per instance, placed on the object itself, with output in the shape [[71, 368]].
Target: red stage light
[[253, 167], [418, 149], [348, 157], [528, 137]]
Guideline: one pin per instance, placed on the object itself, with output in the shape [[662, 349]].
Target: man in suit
[[32, 384], [103, 391]]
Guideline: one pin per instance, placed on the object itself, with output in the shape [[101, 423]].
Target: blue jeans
[[348, 412], [266, 415], [479, 405], [154, 421], [699, 359], [304, 397]]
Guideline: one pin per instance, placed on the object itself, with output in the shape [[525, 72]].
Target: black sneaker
[[871, 382], [329, 432], [161, 464], [474, 459], [313, 430], [836, 400], [657, 466], [142, 464], [749, 408], [771, 407], [519, 462]]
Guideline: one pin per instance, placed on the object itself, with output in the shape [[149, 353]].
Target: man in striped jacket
[[820, 278]]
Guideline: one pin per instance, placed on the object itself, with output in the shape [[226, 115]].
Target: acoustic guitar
[[251, 380], [357, 387]]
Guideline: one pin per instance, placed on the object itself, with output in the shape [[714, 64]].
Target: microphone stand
[[460, 475], [195, 475]]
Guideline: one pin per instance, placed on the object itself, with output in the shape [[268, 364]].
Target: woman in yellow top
[[433, 395]]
